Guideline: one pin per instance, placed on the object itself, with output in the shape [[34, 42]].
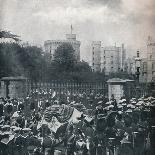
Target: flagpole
[[71, 28]]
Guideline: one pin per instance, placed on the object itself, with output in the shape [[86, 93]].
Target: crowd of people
[[104, 127]]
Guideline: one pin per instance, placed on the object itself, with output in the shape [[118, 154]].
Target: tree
[[82, 67], [33, 62], [16, 60], [9, 62], [64, 58]]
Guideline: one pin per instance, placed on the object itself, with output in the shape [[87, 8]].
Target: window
[[93, 52], [104, 69], [93, 63], [153, 66], [150, 57], [144, 67], [93, 58], [104, 62], [111, 62], [153, 76], [138, 54], [104, 57]]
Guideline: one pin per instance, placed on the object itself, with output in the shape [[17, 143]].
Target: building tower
[[51, 45], [96, 56], [123, 57], [150, 60], [110, 59]]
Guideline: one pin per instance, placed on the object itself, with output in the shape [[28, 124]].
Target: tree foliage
[[64, 58], [16, 60], [66, 67]]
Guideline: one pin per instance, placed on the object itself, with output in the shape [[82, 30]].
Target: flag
[[74, 116]]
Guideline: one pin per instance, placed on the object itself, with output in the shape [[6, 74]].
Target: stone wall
[[13, 87]]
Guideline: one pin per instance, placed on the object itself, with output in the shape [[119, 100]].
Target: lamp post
[[137, 73]]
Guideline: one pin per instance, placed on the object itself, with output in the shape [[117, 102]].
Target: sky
[[110, 21]]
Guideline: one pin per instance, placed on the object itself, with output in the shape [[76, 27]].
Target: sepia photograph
[[77, 77]]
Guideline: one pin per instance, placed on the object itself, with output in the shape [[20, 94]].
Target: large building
[[130, 65], [96, 55], [108, 59], [51, 45], [148, 63]]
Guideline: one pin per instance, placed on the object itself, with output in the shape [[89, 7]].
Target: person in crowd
[[112, 124]]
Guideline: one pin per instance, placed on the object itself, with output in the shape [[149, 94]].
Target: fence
[[71, 86]]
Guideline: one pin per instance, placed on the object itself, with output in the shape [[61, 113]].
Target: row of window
[[145, 66], [105, 63], [105, 56], [104, 69]]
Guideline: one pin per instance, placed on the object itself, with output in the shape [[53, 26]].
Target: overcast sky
[[111, 21]]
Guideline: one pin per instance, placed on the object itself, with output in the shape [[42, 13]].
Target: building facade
[[147, 64], [96, 56], [147, 69], [143, 69], [150, 60], [108, 59], [130, 66], [51, 45]]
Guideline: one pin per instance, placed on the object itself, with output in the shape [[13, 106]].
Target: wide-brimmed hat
[[136, 109], [151, 98], [140, 103], [120, 106], [107, 103], [129, 105], [120, 101], [5, 128], [26, 129], [17, 129], [123, 100], [124, 104], [110, 106], [129, 111], [146, 99], [99, 103], [132, 107], [99, 107], [120, 112], [133, 102], [153, 102]]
